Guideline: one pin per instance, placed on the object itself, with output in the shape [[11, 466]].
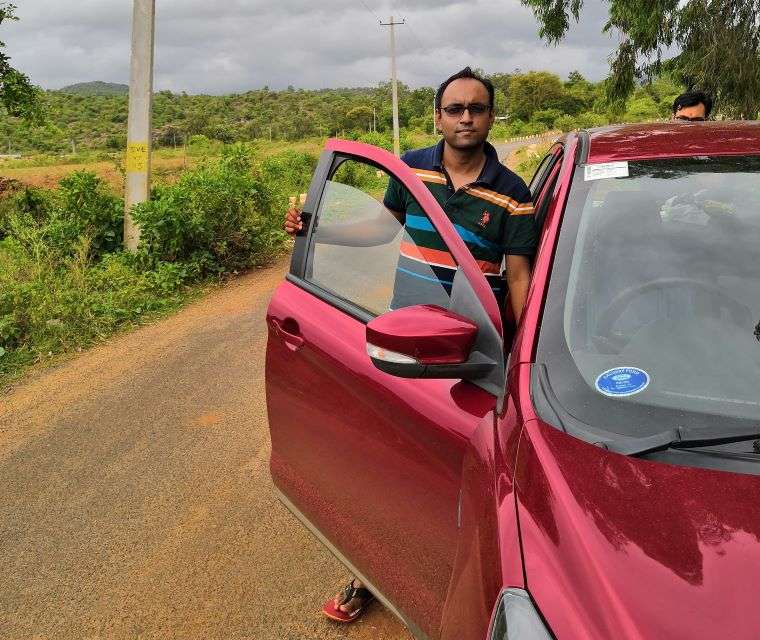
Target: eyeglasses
[[475, 109], [688, 119]]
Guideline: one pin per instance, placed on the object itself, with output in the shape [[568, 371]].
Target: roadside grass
[[66, 284], [525, 161], [66, 309]]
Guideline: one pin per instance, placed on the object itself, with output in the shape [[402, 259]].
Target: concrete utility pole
[[139, 138], [394, 82]]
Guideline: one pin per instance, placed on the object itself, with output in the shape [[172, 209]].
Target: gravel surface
[[135, 496]]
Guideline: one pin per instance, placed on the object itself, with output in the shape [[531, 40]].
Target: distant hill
[[97, 89]]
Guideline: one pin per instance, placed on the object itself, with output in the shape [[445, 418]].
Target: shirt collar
[[491, 169]]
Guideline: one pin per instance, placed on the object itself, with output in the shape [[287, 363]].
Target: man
[[693, 106], [489, 205]]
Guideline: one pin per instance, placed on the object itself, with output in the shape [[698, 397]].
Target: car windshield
[[652, 319]]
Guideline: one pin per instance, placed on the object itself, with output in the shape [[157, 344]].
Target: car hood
[[619, 547]]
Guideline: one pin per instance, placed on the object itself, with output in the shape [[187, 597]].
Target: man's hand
[[293, 222]]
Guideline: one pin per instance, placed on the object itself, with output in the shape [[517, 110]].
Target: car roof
[[672, 139]]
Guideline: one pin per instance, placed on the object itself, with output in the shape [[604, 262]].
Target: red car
[[592, 473]]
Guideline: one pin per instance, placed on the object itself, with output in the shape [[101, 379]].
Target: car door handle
[[290, 335]]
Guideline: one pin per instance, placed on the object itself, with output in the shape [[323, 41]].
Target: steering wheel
[[740, 313]]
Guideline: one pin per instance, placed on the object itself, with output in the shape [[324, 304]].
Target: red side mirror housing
[[423, 341]]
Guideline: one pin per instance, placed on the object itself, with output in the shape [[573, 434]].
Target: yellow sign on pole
[[137, 157]]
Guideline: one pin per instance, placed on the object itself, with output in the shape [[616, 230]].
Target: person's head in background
[[692, 106]]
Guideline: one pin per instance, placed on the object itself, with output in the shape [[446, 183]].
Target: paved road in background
[[505, 149], [135, 497]]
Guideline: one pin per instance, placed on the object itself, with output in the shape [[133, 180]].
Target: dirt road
[[135, 498]]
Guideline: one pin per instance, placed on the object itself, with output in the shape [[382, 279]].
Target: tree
[[718, 40], [529, 92], [501, 82], [359, 118], [17, 94]]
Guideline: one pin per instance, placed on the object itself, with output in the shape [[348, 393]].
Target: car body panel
[[627, 548], [375, 465], [672, 140], [523, 347]]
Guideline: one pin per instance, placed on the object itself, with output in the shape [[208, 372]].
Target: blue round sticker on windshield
[[622, 381]]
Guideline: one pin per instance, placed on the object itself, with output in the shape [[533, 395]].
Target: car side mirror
[[426, 341]]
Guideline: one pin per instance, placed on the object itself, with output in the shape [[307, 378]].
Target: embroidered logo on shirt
[[485, 219]]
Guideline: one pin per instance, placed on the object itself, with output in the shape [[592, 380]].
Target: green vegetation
[[528, 159], [65, 282], [97, 89], [18, 96], [718, 41], [532, 102]]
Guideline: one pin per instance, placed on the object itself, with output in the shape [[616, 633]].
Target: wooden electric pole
[[139, 138], [394, 83]]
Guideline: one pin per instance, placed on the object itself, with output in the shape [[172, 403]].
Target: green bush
[[48, 308], [565, 123], [218, 218], [385, 140], [286, 174], [65, 282], [82, 212], [547, 117], [589, 120]]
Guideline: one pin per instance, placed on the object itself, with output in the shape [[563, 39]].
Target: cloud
[[207, 46]]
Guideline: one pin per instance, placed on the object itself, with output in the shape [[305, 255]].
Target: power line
[[372, 13], [414, 33]]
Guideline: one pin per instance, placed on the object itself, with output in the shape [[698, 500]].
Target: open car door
[[367, 447]]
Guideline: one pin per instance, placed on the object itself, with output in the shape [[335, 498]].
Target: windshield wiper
[[690, 438]]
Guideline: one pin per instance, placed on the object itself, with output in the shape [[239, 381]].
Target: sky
[[226, 46]]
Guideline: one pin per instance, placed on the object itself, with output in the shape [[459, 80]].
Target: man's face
[[696, 112], [465, 129]]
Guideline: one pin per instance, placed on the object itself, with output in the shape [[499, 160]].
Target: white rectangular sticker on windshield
[[606, 170]]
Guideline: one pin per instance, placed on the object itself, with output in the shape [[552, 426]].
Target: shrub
[[81, 211], [87, 209], [64, 281], [565, 123], [287, 174], [218, 218], [198, 140], [546, 117], [48, 308], [589, 120], [385, 140]]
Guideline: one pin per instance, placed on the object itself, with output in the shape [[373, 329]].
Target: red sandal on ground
[[333, 611]]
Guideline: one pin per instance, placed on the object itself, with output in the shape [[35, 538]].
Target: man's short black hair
[[465, 73], [692, 99]]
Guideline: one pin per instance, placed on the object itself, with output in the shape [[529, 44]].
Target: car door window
[[540, 171], [545, 197], [374, 247], [544, 171]]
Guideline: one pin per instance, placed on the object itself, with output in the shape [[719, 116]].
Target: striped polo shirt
[[493, 215]]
